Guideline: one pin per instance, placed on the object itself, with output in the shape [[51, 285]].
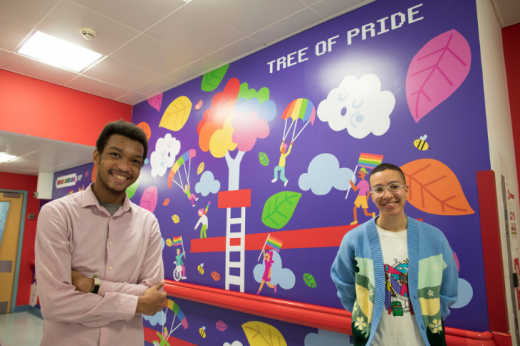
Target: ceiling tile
[[191, 71], [137, 14], [310, 2], [288, 26], [20, 145], [132, 98], [96, 87], [509, 11], [249, 16], [331, 8], [3, 56], [66, 20], [152, 55], [156, 87], [194, 32], [26, 12], [39, 70], [120, 74], [12, 33], [233, 51]]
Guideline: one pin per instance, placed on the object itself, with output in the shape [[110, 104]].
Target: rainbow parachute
[[186, 157], [302, 109]]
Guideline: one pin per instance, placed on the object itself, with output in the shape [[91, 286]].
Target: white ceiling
[[41, 155], [150, 46]]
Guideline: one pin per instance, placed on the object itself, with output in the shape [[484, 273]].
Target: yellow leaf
[[263, 334], [175, 218], [201, 168], [177, 113], [169, 242]]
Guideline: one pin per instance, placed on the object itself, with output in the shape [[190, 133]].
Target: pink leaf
[[436, 71], [155, 102], [149, 199]]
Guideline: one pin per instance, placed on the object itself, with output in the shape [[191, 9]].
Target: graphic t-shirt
[[398, 325]]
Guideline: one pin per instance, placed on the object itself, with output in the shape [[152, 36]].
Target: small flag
[[177, 241], [369, 161], [274, 243]]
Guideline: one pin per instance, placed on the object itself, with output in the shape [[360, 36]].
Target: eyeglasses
[[393, 188]]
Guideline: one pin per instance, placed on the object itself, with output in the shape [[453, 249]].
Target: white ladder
[[234, 279]]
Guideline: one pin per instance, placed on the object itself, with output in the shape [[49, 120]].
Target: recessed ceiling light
[[59, 53], [6, 157]]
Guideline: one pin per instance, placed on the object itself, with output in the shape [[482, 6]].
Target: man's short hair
[[386, 166], [123, 128]]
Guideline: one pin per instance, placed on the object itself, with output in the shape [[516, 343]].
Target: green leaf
[[211, 80], [130, 191], [279, 208], [248, 94], [264, 159], [309, 280]]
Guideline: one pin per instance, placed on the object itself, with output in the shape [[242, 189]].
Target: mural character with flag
[[274, 244], [363, 187], [180, 270]]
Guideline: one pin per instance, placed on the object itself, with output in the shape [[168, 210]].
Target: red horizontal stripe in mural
[[150, 335]]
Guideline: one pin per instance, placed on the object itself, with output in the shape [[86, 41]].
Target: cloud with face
[[164, 155], [324, 174], [279, 276], [358, 106], [207, 184]]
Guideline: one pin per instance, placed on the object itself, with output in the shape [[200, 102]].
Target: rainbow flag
[[369, 161], [274, 243], [177, 241]]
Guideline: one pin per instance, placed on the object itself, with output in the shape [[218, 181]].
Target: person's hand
[[81, 282], [152, 301], [195, 228]]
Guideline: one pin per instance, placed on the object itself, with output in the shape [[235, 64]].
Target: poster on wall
[[256, 169]]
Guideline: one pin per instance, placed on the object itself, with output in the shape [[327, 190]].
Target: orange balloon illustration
[[434, 188]]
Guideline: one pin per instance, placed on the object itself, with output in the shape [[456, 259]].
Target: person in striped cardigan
[[396, 275]]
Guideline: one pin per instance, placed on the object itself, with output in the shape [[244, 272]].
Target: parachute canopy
[[186, 157], [178, 312], [298, 109]]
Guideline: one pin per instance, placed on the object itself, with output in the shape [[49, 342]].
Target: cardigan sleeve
[[450, 280], [343, 273]]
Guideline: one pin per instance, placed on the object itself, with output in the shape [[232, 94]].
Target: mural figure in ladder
[[181, 162], [298, 109], [165, 335], [203, 219]]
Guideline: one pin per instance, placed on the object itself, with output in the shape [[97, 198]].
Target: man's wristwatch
[[97, 282]]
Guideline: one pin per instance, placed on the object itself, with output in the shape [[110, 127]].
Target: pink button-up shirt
[[75, 232]]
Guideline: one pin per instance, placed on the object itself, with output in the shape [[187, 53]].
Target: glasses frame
[[385, 188]]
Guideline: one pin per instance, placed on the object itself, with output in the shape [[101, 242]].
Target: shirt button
[[416, 296], [423, 327], [110, 268], [109, 243]]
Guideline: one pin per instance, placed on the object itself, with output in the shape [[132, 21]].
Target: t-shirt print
[[397, 299]]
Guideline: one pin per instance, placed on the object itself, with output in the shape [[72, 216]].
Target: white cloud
[[325, 337], [164, 155], [235, 343], [323, 174], [358, 106], [207, 184]]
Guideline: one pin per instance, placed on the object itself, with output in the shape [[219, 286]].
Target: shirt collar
[[89, 199]]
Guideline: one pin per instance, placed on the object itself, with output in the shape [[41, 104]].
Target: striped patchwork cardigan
[[358, 272]]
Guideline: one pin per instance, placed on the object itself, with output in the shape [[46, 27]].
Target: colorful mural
[[296, 127]]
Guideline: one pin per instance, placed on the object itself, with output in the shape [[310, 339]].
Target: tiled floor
[[20, 329]]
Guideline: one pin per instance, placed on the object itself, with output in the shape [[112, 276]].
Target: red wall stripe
[[492, 252], [234, 199], [33, 107]]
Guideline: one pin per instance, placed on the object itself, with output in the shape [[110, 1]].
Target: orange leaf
[[166, 201], [434, 188]]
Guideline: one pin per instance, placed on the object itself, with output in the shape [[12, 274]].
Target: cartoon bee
[[421, 143], [201, 268], [202, 331]]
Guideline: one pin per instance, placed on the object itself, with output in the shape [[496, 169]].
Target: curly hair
[[123, 128]]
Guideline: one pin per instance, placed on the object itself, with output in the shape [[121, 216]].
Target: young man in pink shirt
[[98, 256]]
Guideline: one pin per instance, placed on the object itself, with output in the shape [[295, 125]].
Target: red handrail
[[316, 316]]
